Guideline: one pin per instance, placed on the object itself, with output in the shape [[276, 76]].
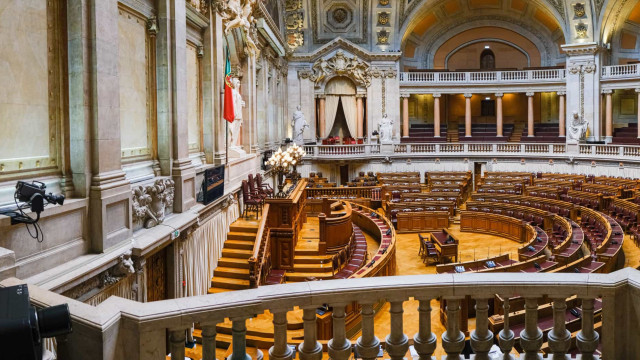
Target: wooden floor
[[472, 246]]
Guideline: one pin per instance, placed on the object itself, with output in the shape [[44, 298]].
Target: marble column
[[209, 341], [321, 120], [453, 338], [171, 69], [530, 114], [499, 114], [368, 344], [467, 115], [360, 118], [436, 115], [397, 342], [239, 339], [608, 132], [95, 120], [424, 340], [587, 338], [405, 115], [559, 338], [339, 346], [562, 119]]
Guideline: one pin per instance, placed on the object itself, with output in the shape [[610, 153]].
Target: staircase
[[232, 272], [516, 135], [306, 261], [452, 132]]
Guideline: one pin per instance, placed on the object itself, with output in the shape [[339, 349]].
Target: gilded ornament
[[383, 37], [581, 30], [579, 10], [383, 18], [383, 2]]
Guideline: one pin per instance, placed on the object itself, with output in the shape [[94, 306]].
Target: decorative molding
[[499, 94], [581, 49], [152, 26], [383, 37], [384, 18], [150, 202], [341, 43], [530, 93], [364, 25], [341, 65], [561, 93]]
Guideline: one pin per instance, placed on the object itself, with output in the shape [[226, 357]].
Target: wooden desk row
[[495, 224], [539, 217], [559, 207]]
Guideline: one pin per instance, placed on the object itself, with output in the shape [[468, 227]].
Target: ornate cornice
[[581, 49], [340, 43]]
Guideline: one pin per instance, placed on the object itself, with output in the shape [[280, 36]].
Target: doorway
[[157, 276], [478, 169], [344, 174], [488, 108]]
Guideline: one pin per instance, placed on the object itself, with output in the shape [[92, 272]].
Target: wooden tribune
[[285, 219], [446, 244]]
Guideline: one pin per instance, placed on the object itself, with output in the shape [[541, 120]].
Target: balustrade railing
[[620, 71], [143, 326], [461, 149], [474, 77]]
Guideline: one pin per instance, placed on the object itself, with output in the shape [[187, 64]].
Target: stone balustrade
[[483, 77], [630, 71], [119, 327]]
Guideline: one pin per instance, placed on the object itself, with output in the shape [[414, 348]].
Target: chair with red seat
[[265, 187], [252, 202]]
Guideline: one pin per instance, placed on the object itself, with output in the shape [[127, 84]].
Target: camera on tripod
[[34, 194]]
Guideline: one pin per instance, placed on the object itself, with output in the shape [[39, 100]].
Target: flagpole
[[226, 142]]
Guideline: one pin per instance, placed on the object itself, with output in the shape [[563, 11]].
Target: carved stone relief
[[581, 30], [294, 23], [579, 11], [383, 37], [350, 19], [239, 14], [383, 18], [341, 65], [150, 202]]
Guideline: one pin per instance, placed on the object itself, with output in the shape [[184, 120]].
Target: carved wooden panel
[[157, 276]]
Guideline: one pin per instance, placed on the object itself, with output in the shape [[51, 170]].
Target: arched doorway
[[487, 60], [341, 109]]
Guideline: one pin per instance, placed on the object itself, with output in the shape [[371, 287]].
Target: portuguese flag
[[229, 113]]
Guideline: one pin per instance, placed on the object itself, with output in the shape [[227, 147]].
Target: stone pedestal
[[573, 148], [386, 148]]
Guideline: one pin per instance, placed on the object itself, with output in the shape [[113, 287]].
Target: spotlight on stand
[[22, 327]]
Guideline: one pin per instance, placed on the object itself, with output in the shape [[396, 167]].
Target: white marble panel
[[24, 102], [133, 71], [193, 102]]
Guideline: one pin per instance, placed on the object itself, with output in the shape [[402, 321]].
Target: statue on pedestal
[[577, 129], [234, 127], [298, 124], [385, 130]]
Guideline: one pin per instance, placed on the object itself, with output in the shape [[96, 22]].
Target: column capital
[[405, 95], [437, 95], [561, 93], [498, 95], [607, 91], [320, 96], [530, 93], [638, 90], [468, 95], [361, 96]]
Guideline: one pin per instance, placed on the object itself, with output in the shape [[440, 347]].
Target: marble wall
[[133, 71], [193, 98], [24, 66]]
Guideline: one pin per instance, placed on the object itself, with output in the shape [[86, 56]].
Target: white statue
[[577, 128], [298, 124], [385, 130], [234, 127], [239, 15]]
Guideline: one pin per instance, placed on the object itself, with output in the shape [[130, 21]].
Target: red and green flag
[[229, 111]]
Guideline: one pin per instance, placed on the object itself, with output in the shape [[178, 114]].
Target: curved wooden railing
[[260, 247], [341, 192], [335, 232], [383, 262]]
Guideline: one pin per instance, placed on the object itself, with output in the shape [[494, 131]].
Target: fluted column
[[638, 92], [321, 119], [368, 344], [482, 337], [559, 337], [425, 340], [405, 115], [561, 114], [280, 350], [506, 338], [530, 113], [467, 115], [531, 336], [587, 339], [177, 340], [499, 114], [239, 339], [310, 349], [608, 116], [397, 342], [339, 345], [436, 115], [453, 338], [360, 117], [209, 342]]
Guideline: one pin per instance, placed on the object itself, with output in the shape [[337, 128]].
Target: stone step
[[239, 244], [229, 272], [236, 253], [229, 283], [232, 262]]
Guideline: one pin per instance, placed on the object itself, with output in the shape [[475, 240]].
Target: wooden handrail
[[255, 260]]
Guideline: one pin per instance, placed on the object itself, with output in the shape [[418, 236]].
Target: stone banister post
[[310, 349], [482, 337], [280, 350], [453, 338], [339, 345], [559, 337], [587, 339], [239, 339], [425, 340], [397, 342], [368, 344], [531, 336], [177, 340], [506, 337], [209, 342], [638, 92]]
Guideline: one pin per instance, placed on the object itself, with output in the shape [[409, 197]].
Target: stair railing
[[261, 243]]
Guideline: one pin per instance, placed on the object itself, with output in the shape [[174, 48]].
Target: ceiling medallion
[[383, 18], [581, 30], [339, 15], [579, 10], [383, 37], [383, 2]]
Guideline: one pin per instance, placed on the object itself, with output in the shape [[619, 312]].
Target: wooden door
[[157, 276], [344, 175]]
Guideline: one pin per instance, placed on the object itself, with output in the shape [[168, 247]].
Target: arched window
[[487, 60]]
